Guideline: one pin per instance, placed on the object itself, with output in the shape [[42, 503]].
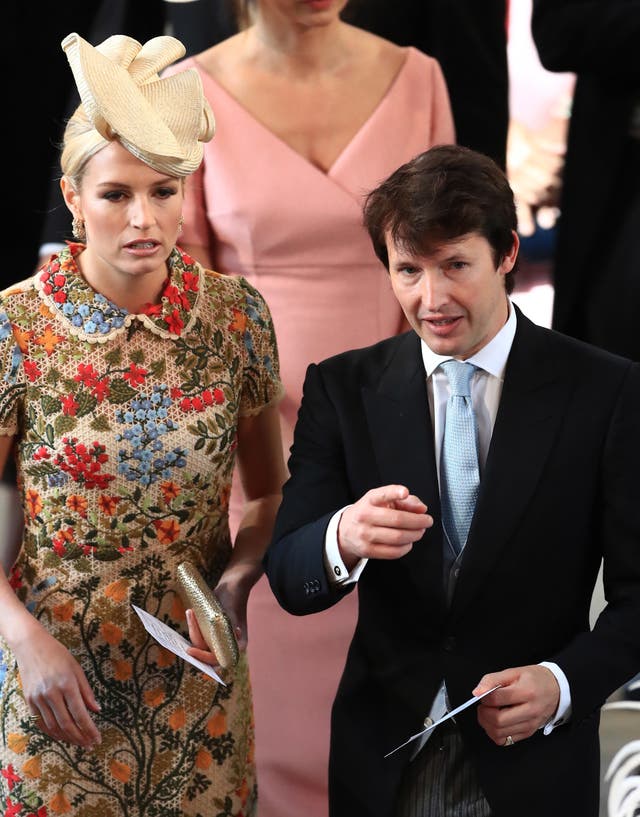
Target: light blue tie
[[459, 470]]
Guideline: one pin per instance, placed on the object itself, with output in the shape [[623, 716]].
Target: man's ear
[[509, 260]]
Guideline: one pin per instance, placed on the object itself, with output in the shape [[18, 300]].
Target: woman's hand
[[233, 593], [56, 689]]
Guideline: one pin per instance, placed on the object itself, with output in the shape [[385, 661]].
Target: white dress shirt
[[486, 390]]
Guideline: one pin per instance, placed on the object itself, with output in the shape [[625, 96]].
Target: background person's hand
[[535, 163], [527, 699], [383, 524]]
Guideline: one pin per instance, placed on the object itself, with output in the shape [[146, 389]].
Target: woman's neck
[[129, 292], [289, 47]]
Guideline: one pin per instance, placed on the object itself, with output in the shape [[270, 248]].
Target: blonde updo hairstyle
[[81, 141]]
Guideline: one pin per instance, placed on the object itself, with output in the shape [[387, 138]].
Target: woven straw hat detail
[[161, 120]]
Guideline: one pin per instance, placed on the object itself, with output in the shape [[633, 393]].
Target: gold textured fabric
[[126, 437]]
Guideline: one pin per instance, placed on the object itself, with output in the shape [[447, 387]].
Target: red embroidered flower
[[83, 464], [172, 294], [101, 389], [69, 405], [31, 370], [135, 375], [152, 309], [87, 375], [12, 808], [174, 322], [15, 578], [10, 776], [190, 281]]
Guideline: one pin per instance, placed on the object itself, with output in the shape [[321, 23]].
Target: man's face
[[454, 297]]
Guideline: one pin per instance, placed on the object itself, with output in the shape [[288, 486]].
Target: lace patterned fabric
[[125, 429]]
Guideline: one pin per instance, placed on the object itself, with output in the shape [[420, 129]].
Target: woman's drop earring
[[78, 229]]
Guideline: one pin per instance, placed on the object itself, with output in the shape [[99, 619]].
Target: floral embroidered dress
[[126, 434]]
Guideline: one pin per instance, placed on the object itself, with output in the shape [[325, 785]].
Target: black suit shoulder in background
[[597, 262], [469, 39]]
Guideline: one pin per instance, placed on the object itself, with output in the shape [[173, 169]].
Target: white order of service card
[[174, 642]]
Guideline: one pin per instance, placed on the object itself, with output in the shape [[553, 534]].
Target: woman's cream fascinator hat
[[162, 121]]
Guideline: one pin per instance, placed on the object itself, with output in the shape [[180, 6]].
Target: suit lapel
[[397, 412], [531, 409]]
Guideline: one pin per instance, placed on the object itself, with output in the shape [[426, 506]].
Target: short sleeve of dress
[[261, 385], [12, 384]]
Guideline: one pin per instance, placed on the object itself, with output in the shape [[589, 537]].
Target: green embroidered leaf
[[86, 403], [120, 391], [51, 559], [100, 423], [158, 367], [137, 356], [50, 405], [49, 434], [62, 424], [42, 470], [83, 565], [53, 376], [106, 553], [114, 357]]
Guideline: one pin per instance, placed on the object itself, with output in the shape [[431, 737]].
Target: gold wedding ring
[[509, 741]]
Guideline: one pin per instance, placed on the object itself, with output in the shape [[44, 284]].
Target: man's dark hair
[[440, 195]]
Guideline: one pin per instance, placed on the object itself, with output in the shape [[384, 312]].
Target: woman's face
[[131, 214]]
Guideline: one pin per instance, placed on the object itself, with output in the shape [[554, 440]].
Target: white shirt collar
[[492, 358]]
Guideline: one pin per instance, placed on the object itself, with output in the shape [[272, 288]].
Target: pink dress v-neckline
[[242, 110]]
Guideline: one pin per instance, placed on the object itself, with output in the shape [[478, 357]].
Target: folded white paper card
[[473, 700], [173, 641]]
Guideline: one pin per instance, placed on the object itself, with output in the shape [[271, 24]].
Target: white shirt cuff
[[335, 567], [563, 712]]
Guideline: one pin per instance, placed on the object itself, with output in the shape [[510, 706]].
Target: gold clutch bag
[[214, 622]]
